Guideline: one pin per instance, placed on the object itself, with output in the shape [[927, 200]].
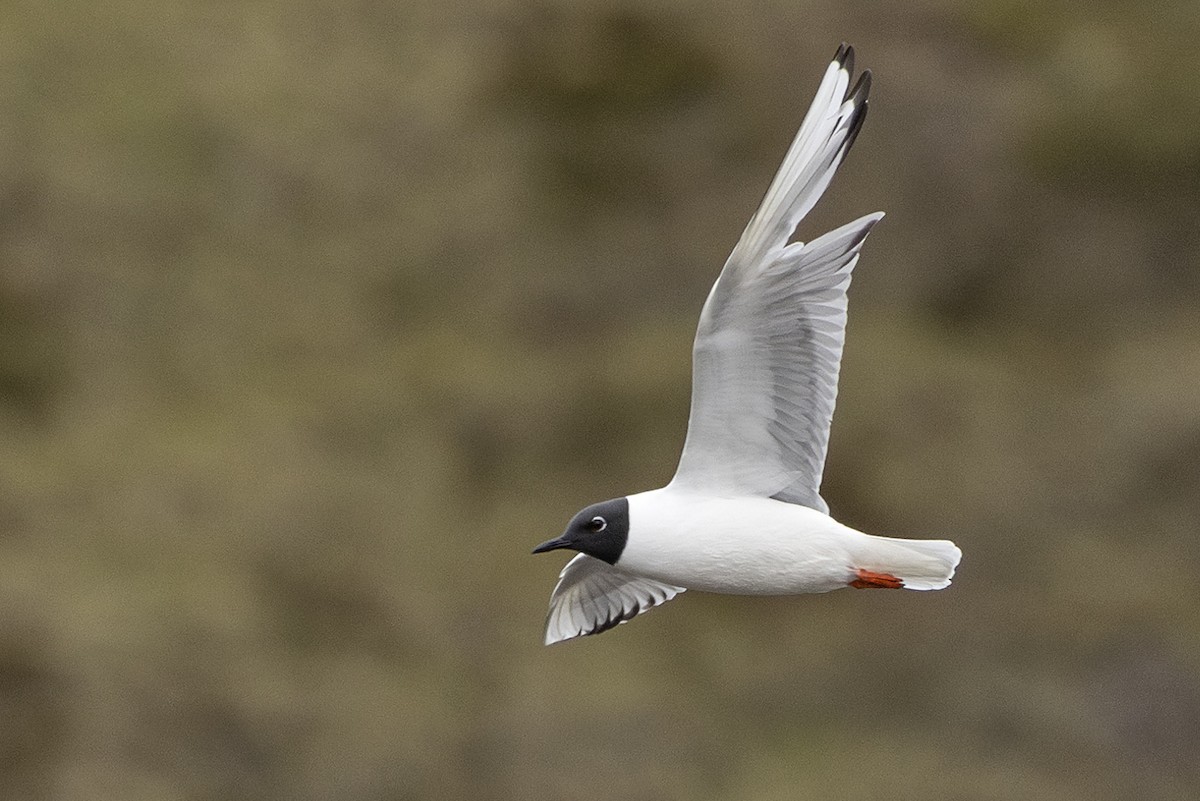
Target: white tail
[[920, 564]]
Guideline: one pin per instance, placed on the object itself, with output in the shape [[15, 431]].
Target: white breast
[[753, 546]]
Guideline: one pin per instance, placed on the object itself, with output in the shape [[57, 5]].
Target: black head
[[600, 530]]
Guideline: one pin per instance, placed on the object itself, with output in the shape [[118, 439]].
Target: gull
[[743, 514]]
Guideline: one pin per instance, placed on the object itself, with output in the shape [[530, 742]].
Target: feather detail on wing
[[769, 343], [593, 596]]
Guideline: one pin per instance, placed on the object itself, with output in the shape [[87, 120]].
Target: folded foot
[[869, 579]]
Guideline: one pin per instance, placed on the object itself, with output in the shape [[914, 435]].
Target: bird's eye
[[597, 524]]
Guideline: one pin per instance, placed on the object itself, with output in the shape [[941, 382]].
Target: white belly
[[752, 546]]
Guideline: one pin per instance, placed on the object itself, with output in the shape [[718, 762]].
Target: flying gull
[[743, 513]]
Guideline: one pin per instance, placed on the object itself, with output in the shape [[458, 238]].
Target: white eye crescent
[[597, 523]]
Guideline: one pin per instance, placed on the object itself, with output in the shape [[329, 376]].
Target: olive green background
[[315, 317]]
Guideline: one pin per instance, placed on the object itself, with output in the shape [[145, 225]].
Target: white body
[[759, 546]]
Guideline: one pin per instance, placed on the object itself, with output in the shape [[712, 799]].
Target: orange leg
[[869, 579]]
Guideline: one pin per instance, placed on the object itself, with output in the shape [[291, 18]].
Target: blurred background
[[315, 317]]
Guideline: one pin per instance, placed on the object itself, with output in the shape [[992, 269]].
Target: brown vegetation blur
[[315, 317]]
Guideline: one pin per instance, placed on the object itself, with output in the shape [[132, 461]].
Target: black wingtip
[[844, 57], [862, 88], [858, 96]]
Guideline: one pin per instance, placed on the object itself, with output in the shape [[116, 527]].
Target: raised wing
[[769, 344], [592, 596]]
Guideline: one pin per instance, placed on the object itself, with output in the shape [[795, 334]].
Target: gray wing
[[769, 344], [593, 596]]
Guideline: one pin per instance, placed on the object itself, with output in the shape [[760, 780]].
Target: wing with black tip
[[769, 344]]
